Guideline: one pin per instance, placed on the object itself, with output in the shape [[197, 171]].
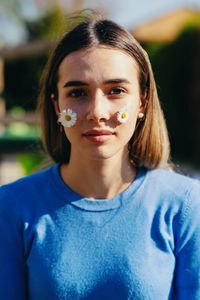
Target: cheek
[[81, 112], [75, 108], [127, 132], [133, 111], [131, 124], [71, 134]]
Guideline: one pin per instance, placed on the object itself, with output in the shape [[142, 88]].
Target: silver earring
[[52, 96], [140, 115]]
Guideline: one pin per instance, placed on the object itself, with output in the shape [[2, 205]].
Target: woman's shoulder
[[173, 194], [170, 181], [27, 186], [29, 180]]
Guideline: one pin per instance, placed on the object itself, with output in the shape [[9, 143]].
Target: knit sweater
[[143, 244]]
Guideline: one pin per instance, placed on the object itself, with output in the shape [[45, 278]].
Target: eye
[[77, 93], [117, 91]]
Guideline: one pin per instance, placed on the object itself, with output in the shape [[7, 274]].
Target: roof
[[167, 27], [26, 49]]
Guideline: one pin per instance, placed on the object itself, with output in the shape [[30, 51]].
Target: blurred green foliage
[[50, 26], [30, 162], [176, 68]]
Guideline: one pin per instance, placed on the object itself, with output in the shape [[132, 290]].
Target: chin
[[103, 155], [100, 158]]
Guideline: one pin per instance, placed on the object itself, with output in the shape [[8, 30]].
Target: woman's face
[[97, 83]]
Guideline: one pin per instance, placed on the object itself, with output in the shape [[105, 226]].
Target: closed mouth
[[98, 133]]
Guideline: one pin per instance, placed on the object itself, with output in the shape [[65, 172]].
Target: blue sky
[[129, 13], [134, 12]]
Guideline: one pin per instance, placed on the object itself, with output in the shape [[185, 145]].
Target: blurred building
[[166, 28]]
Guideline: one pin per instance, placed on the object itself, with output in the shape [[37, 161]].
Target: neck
[[99, 179]]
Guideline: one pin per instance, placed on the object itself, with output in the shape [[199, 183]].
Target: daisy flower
[[67, 118], [122, 116]]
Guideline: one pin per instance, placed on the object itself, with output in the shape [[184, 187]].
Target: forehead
[[98, 62]]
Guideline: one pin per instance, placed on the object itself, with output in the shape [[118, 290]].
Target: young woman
[[109, 220]]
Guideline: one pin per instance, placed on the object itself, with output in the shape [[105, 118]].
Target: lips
[[98, 136]]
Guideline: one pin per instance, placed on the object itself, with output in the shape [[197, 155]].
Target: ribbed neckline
[[73, 198]]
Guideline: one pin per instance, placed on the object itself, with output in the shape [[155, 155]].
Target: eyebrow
[[118, 80], [82, 83], [74, 83]]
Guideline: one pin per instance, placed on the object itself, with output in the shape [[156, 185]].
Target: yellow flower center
[[123, 115], [68, 118]]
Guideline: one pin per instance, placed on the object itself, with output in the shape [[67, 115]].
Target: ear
[[143, 103], [141, 107], [55, 104]]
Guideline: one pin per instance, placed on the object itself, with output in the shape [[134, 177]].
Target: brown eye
[[116, 91], [77, 93]]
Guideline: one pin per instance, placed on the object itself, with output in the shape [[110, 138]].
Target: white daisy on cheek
[[67, 118], [122, 116]]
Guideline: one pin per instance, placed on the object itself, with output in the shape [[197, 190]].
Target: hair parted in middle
[[149, 145]]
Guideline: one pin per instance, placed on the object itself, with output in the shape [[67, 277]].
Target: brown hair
[[149, 145]]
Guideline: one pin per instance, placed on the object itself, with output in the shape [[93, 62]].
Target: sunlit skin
[[97, 83]]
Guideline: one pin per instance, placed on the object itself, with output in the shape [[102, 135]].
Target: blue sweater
[[143, 244]]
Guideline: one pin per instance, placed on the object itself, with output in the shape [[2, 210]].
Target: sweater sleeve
[[187, 271], [12, 266]]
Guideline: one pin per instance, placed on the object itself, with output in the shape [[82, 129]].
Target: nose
[[98, 109]]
